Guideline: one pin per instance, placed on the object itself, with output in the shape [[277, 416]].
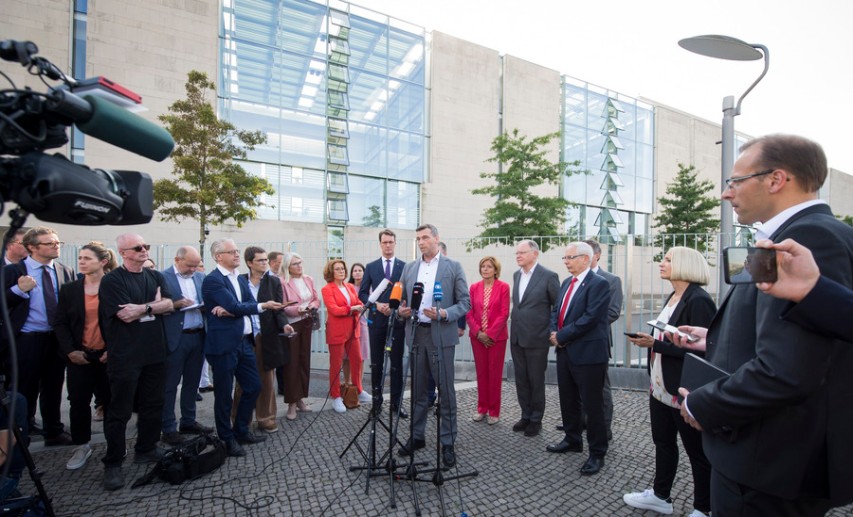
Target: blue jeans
[[239, 363], [185, 361]]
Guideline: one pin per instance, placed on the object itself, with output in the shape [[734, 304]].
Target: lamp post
[[733, 49]]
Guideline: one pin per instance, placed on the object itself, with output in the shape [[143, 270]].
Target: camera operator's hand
[[26, 283], [78, 357], [797, 271]]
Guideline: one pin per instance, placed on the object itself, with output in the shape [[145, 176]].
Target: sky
[[631, 47]]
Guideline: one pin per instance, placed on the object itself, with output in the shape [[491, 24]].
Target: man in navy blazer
[[229, 344], [777, 430], [390, 267], [580, 331], [185, 341]]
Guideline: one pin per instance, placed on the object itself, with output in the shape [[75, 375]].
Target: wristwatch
[[148, 309]]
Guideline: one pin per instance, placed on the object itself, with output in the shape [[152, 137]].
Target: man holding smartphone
[[777, 430]]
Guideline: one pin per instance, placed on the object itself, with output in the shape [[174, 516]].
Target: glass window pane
[[403, 205], [367, 201]]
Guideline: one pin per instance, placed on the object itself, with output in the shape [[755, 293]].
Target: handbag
[[350, 395]]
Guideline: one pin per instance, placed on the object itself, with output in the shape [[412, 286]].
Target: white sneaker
[[364, 398], [697, 513], [79, 457], [338, 405], [647, 500]]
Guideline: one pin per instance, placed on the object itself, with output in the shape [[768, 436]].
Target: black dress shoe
[[564, 446], [35, 429], [609, 435], [533, 429], [198, 397], [205, 389], [195, 428], [402, 413], [113, 478], [251, 439], [411, 446], [172, 438], [62, 438], [448, 457], [234, 449], [592, 466], [560, 427], [521, 425]]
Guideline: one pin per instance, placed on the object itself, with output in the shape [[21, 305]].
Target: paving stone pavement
[[297, 471]]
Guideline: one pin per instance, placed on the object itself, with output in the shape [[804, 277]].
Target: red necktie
[[566, 303]]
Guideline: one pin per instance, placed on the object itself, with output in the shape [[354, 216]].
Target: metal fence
[[634, 261]]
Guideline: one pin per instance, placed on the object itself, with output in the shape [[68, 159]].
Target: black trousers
[[84, 381], [582, 385], [730, 498], [378, 337], [41, 373], [667, 425], [125, 380]]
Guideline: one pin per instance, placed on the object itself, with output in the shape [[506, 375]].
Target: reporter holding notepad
[[688, 304]]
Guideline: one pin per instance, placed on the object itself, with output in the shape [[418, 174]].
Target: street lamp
[[733, 49]]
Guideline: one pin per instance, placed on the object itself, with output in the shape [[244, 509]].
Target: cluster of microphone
[[397, 295]]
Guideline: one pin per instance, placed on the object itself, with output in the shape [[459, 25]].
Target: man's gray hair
[[582, 248], [218, 245], [529, 242], [182, 251]]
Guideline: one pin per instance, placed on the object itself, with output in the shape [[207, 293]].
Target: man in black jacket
[[777, 430]]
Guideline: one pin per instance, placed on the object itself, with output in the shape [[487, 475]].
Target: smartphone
[[288, 304], [663, 327], [282, 334], [633, 335], [749, 265]]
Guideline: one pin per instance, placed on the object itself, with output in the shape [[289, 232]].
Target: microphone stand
[[386, 462]]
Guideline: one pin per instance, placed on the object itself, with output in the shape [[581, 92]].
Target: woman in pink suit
[[343, 331], [488, 330]]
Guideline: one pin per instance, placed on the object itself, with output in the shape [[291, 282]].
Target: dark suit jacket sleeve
[[827, 310], [11, 274], [595, 309], [62, 326], [790, 362], [460, 295], [615, 308], [215, 293]]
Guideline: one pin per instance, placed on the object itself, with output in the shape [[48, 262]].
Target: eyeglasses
[[139, 248], [572, 257], [230, 252], [52, 244], [733, 181], [296, 264]]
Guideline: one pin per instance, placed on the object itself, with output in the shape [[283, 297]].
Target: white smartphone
[[663, 327]]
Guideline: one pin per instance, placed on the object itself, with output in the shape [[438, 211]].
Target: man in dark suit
[[32, 289], [185, 340], [390, 267], [580, 331], [15, 249], [777, 430], [229, 344], [534, 292], [434, 337], [613, 313]]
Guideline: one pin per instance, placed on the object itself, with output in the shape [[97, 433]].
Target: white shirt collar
[[532, 268], [226, 272], [774, 223]]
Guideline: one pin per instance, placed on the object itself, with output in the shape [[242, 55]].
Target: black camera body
[[53, 188]]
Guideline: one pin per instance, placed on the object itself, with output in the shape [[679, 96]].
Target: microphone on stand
[[417, 298], [396, 296], [374, 296]]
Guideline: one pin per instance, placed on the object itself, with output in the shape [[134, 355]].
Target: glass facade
[[611, 136], [340, 93]]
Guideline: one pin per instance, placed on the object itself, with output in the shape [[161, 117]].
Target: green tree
[[207, 185], [374, 218], [846, 219], [517, 212], [686, 217]]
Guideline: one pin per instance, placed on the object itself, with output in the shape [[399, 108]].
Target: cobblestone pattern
[[297, 471]]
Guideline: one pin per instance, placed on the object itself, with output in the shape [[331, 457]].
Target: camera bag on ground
[[189, 460]]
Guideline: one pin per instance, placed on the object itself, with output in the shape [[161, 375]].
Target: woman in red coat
[[343, 310], [488, 330]]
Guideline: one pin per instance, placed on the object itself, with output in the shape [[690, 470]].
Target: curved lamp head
[[722, 47]]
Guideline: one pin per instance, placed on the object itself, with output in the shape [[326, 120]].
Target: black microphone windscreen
[[117, 126], [417, 296]]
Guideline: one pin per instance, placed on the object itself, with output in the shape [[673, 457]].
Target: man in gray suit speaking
[[433, 336], [534, 292]]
